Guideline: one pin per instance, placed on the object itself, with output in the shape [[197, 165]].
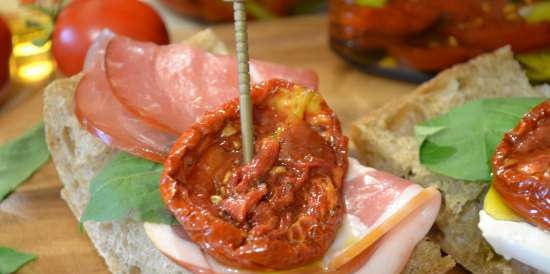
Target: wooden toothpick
[[241, 39]]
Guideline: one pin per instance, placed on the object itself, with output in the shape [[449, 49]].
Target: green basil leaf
[[536, 65], [127, 188], [461, 143], [20, 158], [536, 12], [371, 3], [11, 260], [423, 131]]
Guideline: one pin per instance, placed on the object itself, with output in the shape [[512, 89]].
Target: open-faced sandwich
[[147, 143], [480, 133]]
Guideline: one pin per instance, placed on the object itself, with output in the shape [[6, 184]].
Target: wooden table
[[35, 219]]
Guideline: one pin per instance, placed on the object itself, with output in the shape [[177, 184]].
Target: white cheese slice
[[518, 240]]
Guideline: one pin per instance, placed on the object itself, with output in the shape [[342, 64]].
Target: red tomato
[[5, 52], [520, 167], [81, 21]]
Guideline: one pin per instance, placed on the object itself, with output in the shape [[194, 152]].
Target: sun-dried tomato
[[521, 166], [282, 209]]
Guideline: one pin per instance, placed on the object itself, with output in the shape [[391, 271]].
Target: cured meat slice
[[386, 217], [393, 250], [102, 115], [279, 211], [175, 84], [375, 203]]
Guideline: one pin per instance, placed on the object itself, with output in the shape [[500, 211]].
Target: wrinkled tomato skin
[[5, 52], [521, 167], [392, 19], [81, 21], [294, 183], [431, 59], [432, 35], [522, 37]]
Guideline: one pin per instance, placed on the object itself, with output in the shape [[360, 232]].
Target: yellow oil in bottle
[[31, 61]]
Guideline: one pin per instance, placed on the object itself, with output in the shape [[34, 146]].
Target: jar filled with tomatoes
[[412, 39], [221, 11]]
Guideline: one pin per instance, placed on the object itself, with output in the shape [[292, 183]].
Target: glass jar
[[31, 61], [222, 11], [413, 39]]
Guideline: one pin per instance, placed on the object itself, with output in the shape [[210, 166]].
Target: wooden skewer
[[241, 38]]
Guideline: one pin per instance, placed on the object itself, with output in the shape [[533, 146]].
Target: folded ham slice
[[159, 91], [102, 115], [175, 84], [385, 218]]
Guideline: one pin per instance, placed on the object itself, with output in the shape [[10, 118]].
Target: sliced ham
[[385, 218], [159, 91], [375, 203], [393, 250], [101, 113], [174, 84]]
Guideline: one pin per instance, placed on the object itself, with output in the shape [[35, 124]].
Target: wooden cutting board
[[35, 219]]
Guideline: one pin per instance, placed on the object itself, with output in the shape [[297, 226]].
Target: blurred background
[[404, 40], [36, 55]]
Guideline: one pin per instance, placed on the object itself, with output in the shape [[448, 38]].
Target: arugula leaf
[[371, 3], [128, 187], [461, 143], [11, 260], [20, 158], [536, 65]]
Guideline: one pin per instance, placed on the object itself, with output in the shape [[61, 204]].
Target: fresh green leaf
[[11, 260], [20, 158], [536, 65], [128, 187], [536, 12], [371, 3], [461, 143], [423, 131]]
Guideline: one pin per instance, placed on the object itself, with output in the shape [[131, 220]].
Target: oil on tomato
[[80, 22]]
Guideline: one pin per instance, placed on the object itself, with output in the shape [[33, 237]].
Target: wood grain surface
[[35, 218]]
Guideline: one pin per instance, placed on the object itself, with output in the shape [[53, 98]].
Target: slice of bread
[[385, 140], [78, 156]]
